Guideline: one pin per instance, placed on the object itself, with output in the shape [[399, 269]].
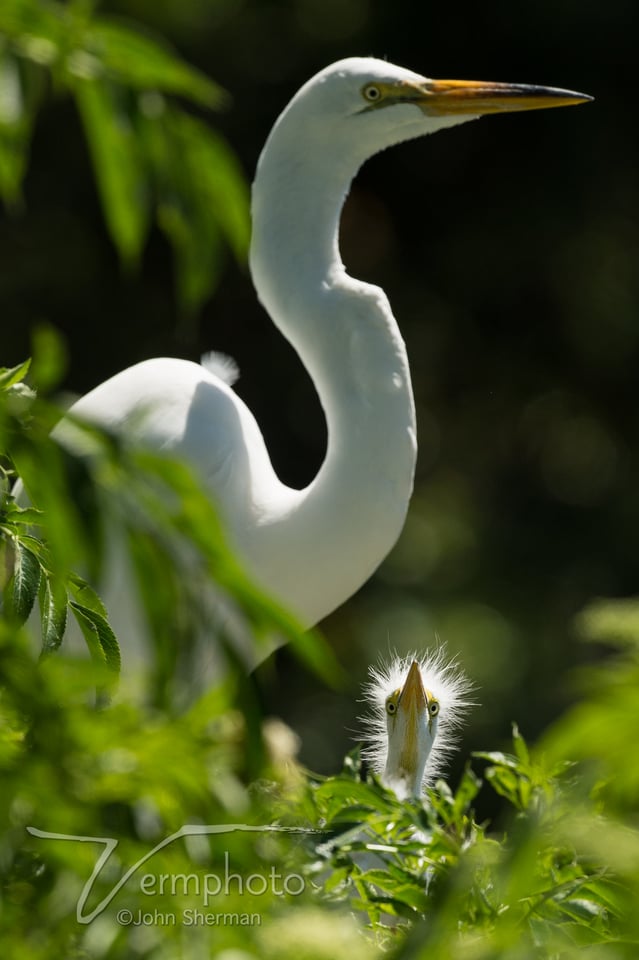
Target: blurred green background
[[509, 252]]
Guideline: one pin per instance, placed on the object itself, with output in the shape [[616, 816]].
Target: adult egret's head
[[417, 704], [358, 106]]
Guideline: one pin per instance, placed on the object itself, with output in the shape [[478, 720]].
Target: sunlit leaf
[[409, 894], [337, 878], [504, 781], [117, 163], [21, 87], [23, 516], [13, 375], [220, 182], [582, 909], [86, 596], [37, 28], [22, 589], [53, 613], [466, 792], [134, 59], [99, 636], [202, 196], [197, 521], [497, 757], [12, 132], [519, 744], [49, 362]]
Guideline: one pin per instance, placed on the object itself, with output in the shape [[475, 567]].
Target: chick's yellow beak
[[413, 697], [476, 97], [412, 703]]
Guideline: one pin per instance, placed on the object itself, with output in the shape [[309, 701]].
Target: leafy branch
[[82, 494], [153, 161]]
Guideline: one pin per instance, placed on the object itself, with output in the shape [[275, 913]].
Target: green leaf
[[23, 516], [203, 197], [389, 905], [11, 375], [505, 782], [49, 358], [118, 165], [467, 790], [497, 757], [610, 621], [583, 909], [37, 28], [521, 749], [21, 86], [22, 589], [608, 893], [340, 794], [53, 613], [197, 522], [101, 640], [337, 878], [411, 895], [86, 596], [138, 61], [220, 182]]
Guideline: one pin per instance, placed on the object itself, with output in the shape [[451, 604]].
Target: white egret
[[417, 705], [312, 548]]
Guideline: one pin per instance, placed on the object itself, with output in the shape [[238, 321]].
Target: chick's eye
[[433, 708], [391, 703], [371, 92]]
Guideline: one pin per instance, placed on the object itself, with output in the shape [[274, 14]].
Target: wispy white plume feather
[[221, 365]]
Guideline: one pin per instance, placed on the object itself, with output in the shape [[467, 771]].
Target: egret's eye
[[433, 708], [371, 92], [391, 703]]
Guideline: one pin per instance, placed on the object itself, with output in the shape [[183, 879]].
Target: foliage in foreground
[[152, 159], [82, 488], [429, 873], [349, 871], [559, 878]]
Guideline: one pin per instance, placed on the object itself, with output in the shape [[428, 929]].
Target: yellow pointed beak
[[475, 97], [413, 697], [413, 701]]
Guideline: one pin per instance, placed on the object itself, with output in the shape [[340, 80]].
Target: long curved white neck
[[342, 525]]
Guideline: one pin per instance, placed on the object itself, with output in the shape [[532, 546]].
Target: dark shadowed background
[[509, 251]]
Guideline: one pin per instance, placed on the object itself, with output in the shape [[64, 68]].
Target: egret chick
[[417, 705]]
